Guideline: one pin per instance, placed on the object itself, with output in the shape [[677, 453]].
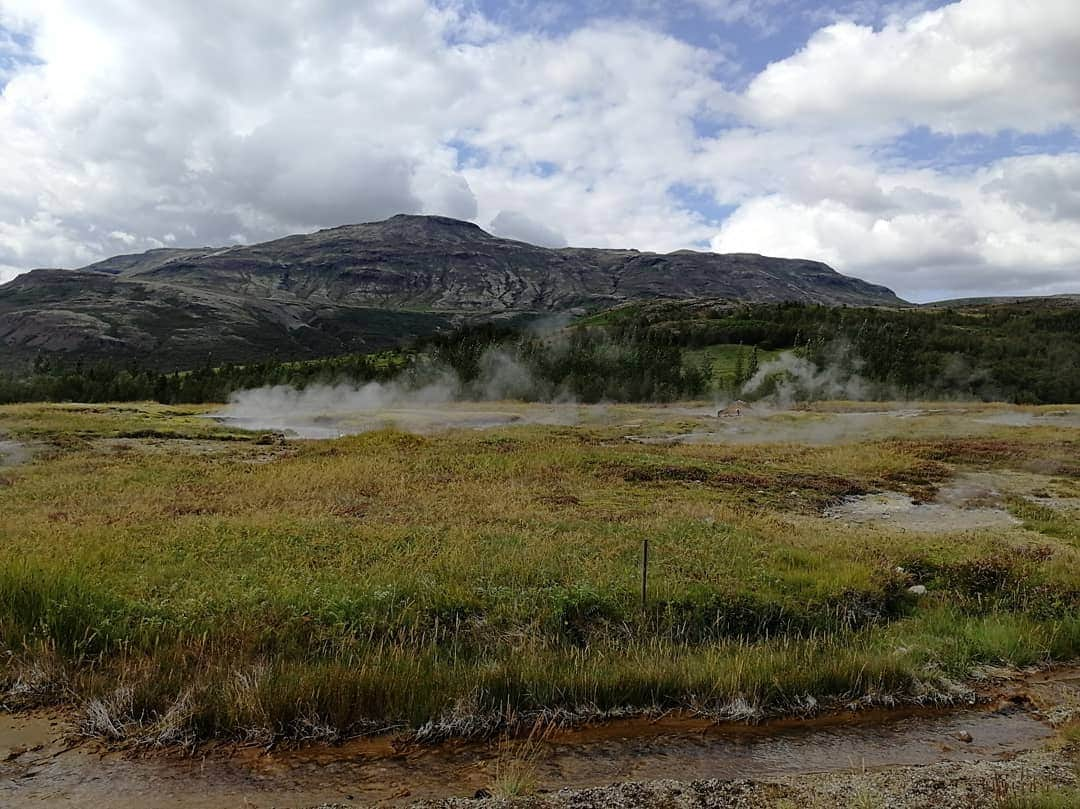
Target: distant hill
[[364, 287], [1064, 299]]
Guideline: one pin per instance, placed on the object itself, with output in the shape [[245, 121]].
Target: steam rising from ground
[[333, 411], [420, 401], [325, 411], [428, 396], [285, 402], [790, 378]]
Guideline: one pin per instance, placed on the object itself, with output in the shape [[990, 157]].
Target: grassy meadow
[[727, 362], [177, 581]]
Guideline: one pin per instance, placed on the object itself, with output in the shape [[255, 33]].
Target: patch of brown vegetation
[[189, 509], [659, 474], [816, 489], [560, 499], [970, 451], [351, 510]]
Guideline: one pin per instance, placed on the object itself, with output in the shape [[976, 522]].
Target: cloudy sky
[[933, 147]]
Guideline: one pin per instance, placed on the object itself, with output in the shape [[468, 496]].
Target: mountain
[[364, 287]]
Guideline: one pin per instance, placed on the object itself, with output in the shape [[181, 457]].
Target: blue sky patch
[[702, 201], [16, 51], [923, 148]]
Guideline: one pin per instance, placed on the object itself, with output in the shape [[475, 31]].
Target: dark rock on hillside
[[363, 287], [96, 316]]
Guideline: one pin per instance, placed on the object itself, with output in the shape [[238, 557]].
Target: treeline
[[1026, 353], [1021, 352], [585, 364], [53, 381], [489, 360]]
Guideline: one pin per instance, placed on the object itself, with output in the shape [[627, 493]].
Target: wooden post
[[644, 572]]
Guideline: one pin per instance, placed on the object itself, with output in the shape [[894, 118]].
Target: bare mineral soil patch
[[13, 453], [968, 503]]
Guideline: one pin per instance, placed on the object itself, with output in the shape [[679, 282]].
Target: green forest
[[1016, 352], [588, 364], [1022, 352]]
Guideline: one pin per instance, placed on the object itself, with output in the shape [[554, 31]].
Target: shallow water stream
[[37, 769]]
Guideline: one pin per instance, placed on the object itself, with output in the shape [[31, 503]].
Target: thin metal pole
[[644, 572]]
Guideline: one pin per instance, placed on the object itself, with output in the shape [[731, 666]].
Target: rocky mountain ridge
[[364, 287]]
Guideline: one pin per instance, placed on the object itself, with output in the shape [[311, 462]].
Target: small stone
[[917, 589], [481, 794], [965, 737]]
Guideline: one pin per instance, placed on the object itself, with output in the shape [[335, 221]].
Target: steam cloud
[[790, 378], [419, 399], [416, 402]]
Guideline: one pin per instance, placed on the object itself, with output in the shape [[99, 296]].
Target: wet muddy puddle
[[13, 453], [36, 768], [902, 512], [970, 501]]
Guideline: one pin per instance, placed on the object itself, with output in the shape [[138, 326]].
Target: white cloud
[[757, 13], [8, 273], [974, 66], [154, 118], [1045, 187], [444, 191], [144, 122], [609, 110], [515, 225], [922, 231], [833, 193], [243, 125]]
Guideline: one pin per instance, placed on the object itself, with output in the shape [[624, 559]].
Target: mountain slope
[[362, 287], [95, 316], [439, 263]]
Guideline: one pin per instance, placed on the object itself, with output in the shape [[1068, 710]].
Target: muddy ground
[[13, 453], [909, 758]]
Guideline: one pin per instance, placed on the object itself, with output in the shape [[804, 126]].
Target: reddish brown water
[[371, 771]]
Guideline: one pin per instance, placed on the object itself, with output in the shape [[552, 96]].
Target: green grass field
[[176, 581], [723, 360]]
